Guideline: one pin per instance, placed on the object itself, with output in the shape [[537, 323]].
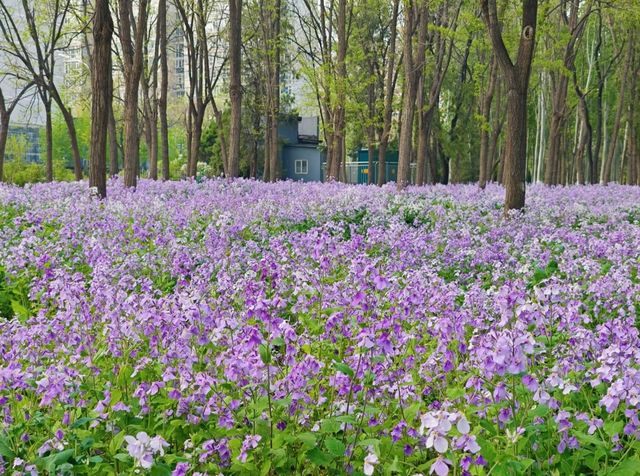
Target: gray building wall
[[308, 153]]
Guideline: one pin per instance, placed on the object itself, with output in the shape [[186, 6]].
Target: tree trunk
[[338, 109], [485, 111], [49, 139], [4, 132], [413, 64], [585, 146], [71, 128], [101, 95], [595, 170], [132, 53], [575, 25], [371, 128], [113, 141], [164, 88], [151, 127], [235, 86], [606, 171], [517, 81], [5, 116]]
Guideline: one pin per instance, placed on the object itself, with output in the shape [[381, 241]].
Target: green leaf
[[5, 449], [344, 368], [589, 439], [627, 467], [81, 422], [539, 411], [613, 427], [21, 312], [159, 469], [53, 461], [278, 342], [266, 468], [318, 457], [265, 354], [330, 425], [335, 446], [454, 393], [486, 449], [308, 439]]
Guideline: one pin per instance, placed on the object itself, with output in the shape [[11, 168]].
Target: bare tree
[[33, 41], [6, 109]]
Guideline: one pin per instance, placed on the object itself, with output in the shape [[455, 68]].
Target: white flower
[[142, 448], [369, 463], [463, 426]]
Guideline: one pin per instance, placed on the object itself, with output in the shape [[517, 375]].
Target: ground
[[237, 327]]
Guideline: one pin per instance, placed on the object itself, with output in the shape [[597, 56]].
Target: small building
[[300, 154], [358, 170]]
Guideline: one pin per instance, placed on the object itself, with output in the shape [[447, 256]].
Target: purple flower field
[[318, 329]]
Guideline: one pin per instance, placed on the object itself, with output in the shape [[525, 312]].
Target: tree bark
[[48, 138], [585, 141], [517, 81], [413, 65], [606, 171], [101, 96], [485, 111], [389, 91], [575, 24], [270, 18], [132, 56], [113, 141], [235, 85], [164, 88]]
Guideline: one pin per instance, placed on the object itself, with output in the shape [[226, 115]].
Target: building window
[[302, 167], [179, 58]]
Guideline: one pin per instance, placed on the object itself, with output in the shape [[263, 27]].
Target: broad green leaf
[[335, 446]]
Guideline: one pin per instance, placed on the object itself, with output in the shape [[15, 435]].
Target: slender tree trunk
[[235, 86], [338, 112], [5, 116], [606, 171], [132, 52], [71, 128], [585, 140], [113, 142], [485, 111], [371, 128], [101, 95], [4, 133], [48, 139], [271, 12], [389, 92], [597, 150], [575, 25], [413, 64], [164, 88]]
